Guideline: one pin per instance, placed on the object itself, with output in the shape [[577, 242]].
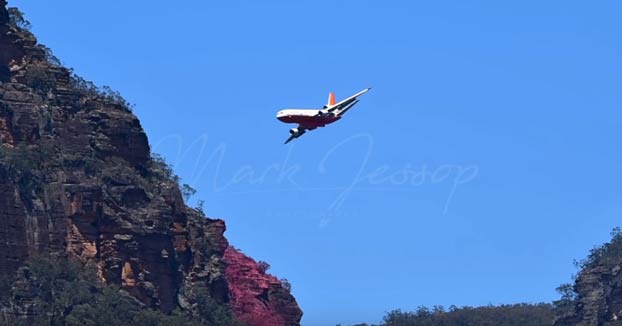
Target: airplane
[[310, 119]]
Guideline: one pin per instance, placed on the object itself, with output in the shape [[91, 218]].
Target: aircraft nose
[[281, 115]]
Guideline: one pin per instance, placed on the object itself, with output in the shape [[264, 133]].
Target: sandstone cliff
[[77, 179], [595, 299], [258, 298]]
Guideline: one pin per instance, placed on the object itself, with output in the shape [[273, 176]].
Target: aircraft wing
[[292, 137], [346, 108], [341, 107]]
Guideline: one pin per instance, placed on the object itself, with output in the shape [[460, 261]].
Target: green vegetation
[[17, 19], [286, 284], [62, 292], [187, 191], [88, 89], [200, 207], [49, 55], [39, 78], [506, 315], [607, 255], [263, 266], [163, 171], [24, 158], [22, 163], [115, 97], [565, 305], [213, 314]]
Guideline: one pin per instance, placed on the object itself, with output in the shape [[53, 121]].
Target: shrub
[[263, 266], [115, 97], [200, 207], [607, 255], [162, 170], [212, 313], [109, 307], [63, 292], [84, 87], [23, 162], [17, 19], [88, 89], [151, 317], [55, 286], [286, 285], [187, 191], [49, 55], [505, 315], [23, 157], [38, 78]]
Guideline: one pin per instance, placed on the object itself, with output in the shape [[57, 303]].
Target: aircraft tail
[[331, 99]]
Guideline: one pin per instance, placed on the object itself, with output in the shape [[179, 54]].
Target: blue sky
[[485, 159]]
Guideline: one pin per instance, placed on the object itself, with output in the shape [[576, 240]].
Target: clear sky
[[486, 158]]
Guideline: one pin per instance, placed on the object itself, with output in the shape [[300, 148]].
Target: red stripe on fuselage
[[309, 121]]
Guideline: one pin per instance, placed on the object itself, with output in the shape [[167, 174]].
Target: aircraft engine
[[296, 132]]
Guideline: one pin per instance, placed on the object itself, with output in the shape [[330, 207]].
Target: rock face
[[259, 299], [599, 298], [77, 179], [597, 292]]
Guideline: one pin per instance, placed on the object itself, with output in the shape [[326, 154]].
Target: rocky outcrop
[[258, 298], [596, 298], [599, 300], [77, 179]]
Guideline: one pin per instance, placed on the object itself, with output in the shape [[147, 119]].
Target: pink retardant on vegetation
[[258, 298]]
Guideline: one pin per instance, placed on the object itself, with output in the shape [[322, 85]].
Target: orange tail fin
[[331, 99]]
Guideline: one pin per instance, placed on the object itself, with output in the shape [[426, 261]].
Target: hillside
[[78, 182]]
